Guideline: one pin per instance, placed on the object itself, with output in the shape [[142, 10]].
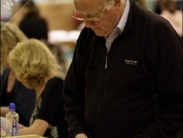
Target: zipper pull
[[106, 58]]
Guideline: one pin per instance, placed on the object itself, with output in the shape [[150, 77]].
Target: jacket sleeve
[[3, 79], [168, 74], [74, 94]]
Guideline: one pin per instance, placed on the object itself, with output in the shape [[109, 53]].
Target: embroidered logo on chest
[[131, 62]]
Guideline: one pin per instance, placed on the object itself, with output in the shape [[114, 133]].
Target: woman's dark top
[[50, 108]]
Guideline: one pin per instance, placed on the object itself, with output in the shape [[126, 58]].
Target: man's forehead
[[86, 1]]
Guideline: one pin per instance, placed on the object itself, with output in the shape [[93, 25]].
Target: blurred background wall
[[63, 29], [58, 12]]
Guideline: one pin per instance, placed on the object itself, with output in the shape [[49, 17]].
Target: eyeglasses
[[94, 19]]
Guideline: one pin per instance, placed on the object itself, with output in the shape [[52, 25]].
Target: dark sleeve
[[169, 85], [3, 82], [1, 88], [52, 100], [74, 94]]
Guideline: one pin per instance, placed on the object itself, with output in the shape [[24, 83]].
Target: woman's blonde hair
[[10, 36], [33, 63]]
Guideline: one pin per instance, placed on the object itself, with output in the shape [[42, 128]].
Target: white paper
[[3, 123], [62, 36]]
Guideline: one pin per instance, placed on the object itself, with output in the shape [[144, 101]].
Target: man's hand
[[81, 136]]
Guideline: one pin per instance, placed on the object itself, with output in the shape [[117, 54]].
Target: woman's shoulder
[[54, 87], [56, 79], [5, 72], [55, 82]]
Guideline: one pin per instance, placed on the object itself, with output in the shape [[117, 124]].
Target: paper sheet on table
[[26, 136], [61, 36], [3, 122]]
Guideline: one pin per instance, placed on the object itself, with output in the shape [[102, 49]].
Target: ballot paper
[[3, 126], [3, 122], [27, 136]]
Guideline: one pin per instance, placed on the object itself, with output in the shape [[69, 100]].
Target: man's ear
[[117, 4]]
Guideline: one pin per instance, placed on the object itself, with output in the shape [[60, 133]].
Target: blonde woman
[[11, 89], [36, 67]]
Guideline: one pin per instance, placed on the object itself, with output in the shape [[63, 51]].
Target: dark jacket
[[23, 98], [145, 60]]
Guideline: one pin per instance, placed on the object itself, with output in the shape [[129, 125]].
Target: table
[[26, 136]]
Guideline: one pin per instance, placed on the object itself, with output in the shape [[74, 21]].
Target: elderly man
[[127, 61]]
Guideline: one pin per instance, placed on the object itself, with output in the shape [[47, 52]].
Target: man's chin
[[99, 34]]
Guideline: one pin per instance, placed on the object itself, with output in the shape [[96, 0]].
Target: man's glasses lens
[[81, 17]]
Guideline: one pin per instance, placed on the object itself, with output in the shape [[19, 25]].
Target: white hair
[[108, 3]]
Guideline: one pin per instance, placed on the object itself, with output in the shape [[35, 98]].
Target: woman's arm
[[39, 127], [81, 136], [4, 110]]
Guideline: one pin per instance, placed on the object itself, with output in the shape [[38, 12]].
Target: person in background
[[173, 15], [36, 67], [11, 89], [142, 2], [127, 64], [35, 26], [159, 6], [38, 26]]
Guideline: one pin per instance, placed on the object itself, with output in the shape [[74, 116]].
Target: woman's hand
[[20, 126]]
